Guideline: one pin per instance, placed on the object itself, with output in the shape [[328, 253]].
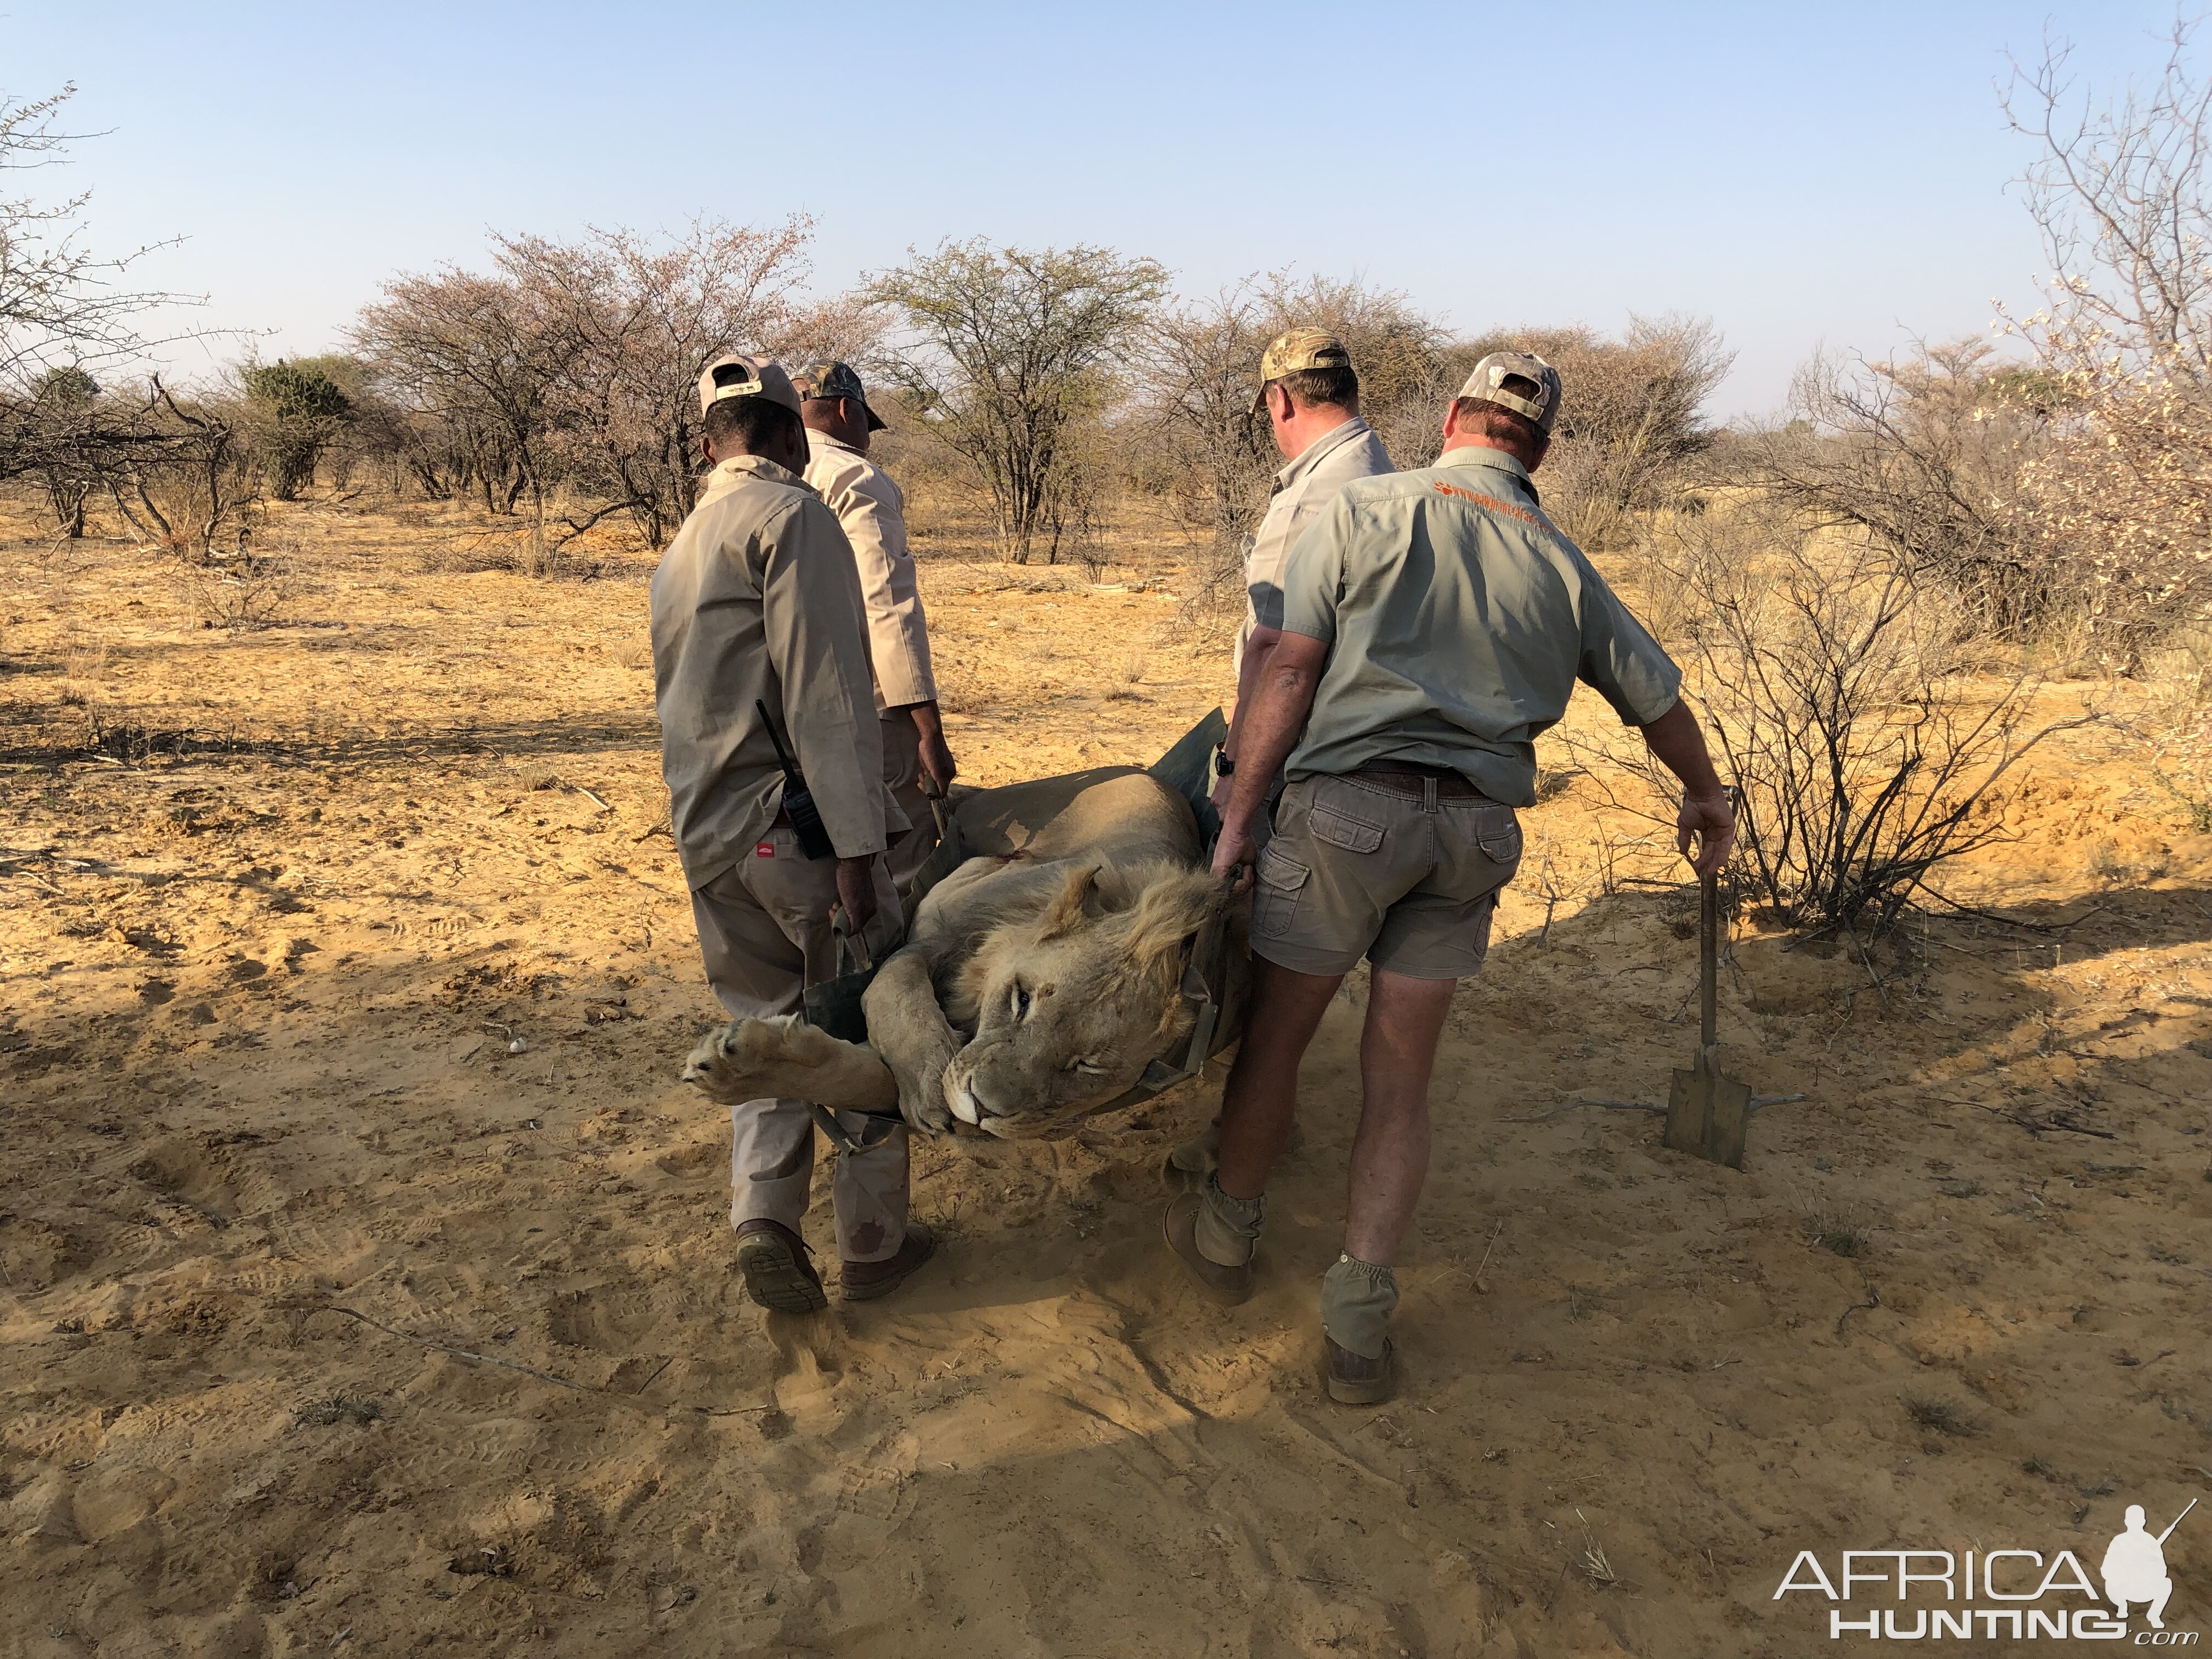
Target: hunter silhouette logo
[[2017, 1594], [2134, 1567]]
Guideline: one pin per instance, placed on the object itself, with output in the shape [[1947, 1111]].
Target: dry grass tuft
[[1942, 1416]]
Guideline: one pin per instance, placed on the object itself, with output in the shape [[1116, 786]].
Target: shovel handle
[[850, 944], [937, 807], [1708, 950]]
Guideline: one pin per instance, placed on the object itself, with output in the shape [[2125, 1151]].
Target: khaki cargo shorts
[[1408, 880]]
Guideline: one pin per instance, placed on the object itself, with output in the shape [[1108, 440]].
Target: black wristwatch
[[1223, 766]]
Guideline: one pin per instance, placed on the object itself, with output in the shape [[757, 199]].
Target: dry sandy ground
[[295, 1248]]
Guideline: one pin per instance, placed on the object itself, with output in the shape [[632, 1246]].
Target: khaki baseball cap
[[1299, 349], [836, 380], [739, 376], [1488, 383]]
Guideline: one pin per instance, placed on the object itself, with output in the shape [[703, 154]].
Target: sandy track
[[259, 997]]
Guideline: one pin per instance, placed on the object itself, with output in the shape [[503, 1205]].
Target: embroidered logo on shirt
[[1495, 505], [764, 850]]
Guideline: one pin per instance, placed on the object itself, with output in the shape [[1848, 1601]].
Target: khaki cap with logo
[[1488, 384], [740, 376], [836, 379], [1297, 350]]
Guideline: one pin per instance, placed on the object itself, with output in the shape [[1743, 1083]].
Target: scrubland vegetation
[[1869, 588], [364, 1269]]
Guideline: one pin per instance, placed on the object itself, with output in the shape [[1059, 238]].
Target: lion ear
[[1065, 913], [1170, 913]]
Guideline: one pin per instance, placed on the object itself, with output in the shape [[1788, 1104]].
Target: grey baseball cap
[[1488, 383], [740, 376], [836, 380]]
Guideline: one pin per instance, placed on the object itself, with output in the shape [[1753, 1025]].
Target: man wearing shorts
[[1434, 622]]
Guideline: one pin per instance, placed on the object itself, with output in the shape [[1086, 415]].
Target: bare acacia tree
[[60, 303], [485, 353], [1005, 350], [634, 324], [1202, 369], [1924, 453], [2121, 500], [1631, 416], [65, 312]]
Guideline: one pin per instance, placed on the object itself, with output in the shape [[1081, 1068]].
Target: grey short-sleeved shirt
[[1302, 490], [1459, 619]]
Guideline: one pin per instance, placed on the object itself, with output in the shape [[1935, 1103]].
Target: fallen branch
[[1487, 1248], [1873, 1301]]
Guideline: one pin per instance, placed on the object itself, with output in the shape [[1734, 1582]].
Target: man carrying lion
[[757, 607], [1433, 624]]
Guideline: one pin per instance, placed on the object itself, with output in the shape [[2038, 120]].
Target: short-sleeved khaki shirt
[[1302, 490], [873, 511], [756, 599], [1459, 619]]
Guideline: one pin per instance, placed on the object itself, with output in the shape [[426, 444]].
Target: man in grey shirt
[[1309, 392], [1433, 624]]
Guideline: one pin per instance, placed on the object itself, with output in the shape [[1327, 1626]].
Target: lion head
[[1070, 1007]]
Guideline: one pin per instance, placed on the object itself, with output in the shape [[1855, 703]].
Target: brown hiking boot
[[1227, 1285], [1356, 1380], [778, 1275], [864, 1281]]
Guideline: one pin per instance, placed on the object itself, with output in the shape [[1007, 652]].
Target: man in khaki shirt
[[870, 507], [757, 601], [1433, 624], [1310, 394]]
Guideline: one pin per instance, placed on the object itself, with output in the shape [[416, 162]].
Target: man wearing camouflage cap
[[1433, 624], [757, 602], [1310, 394], [872, 512]]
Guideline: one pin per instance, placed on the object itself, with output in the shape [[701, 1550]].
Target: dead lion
[[1041, 975]]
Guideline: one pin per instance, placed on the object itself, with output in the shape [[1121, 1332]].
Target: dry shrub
[[2174, 726], [250, 590], [1868, 728], [1922, 453]]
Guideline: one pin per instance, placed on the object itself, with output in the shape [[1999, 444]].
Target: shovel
[[1708, 1112]]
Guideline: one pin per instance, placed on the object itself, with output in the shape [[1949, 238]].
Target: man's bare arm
[[1272, 719], [936, 757], [1706, 818], [1259, 646]]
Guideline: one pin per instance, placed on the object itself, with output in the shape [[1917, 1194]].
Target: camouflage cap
[[1488, 383], [739, 376], [1296, 350], [834, 380]]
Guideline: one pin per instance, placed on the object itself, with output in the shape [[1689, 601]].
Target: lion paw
[[725, 1064], [784, 1058]]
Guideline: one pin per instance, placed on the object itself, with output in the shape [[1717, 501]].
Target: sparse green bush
[[296, 410]]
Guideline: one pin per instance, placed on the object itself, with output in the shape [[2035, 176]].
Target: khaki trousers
[[902, 777], [765, 932]]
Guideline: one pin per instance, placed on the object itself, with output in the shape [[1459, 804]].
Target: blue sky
[[1802, 174]]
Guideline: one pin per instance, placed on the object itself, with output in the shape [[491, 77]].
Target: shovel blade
[[1709, 1117]]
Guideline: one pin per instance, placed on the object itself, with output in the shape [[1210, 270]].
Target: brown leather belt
[[1407, 779]]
